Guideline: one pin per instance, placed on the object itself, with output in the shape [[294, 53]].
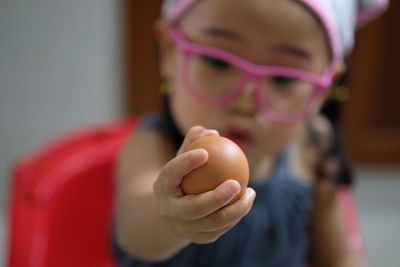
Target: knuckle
[[186, 212], [223, 218], [163, 211], [189, 158], [179, 228], [222, 198], [191, 212], [166, 171], [159, 183]]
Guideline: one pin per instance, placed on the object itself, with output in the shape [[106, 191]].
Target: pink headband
[[340, 18]]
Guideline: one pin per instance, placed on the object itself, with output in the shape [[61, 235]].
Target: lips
[[242, 136]]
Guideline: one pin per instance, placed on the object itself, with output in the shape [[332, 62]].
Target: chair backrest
[[61, 200]]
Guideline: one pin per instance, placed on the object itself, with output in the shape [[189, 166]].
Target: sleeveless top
[[273, 234]]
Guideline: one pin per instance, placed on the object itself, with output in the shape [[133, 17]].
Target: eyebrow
[[293, 50], [220, 32], [287, 49]]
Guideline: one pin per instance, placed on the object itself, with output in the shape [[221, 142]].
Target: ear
[[339, 69], [165, 49]]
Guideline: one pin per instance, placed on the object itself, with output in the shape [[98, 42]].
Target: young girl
[[257, 72]]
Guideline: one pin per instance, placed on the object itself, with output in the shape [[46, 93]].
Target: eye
[[284, 81], [216, 63]]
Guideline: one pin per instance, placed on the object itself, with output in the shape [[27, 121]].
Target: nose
[[244, 104]]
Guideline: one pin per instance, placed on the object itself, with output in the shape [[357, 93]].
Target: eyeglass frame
[[250, 73]]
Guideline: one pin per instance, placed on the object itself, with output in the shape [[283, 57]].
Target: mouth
[[240, 135]]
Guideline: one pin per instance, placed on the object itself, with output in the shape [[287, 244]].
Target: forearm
[[352, 260], [348, 259], [142, 232]]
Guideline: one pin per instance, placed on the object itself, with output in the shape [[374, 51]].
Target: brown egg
[[226, 160]]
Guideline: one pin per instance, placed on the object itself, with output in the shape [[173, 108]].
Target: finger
[[193, 207], [207, 237], [195, 133], [190, 136], [229, 215], [173, 172], [196, 227]]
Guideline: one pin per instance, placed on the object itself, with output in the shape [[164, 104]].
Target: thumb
[[173, 172]]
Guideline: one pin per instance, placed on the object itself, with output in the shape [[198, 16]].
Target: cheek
[[181, 104], [188, 111]]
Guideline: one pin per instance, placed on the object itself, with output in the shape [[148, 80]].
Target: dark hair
[[170, 123], [332, 111]]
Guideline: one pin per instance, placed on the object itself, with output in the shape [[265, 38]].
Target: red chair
[[61, 201]]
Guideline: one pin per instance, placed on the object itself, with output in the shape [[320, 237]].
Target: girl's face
[[264, 32]]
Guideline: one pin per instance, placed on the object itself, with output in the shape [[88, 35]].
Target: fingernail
[[234, 188], [213, 131], [199, 129], [251, 194], [200, 153]]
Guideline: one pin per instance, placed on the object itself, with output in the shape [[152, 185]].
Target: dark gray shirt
[[273, 234]]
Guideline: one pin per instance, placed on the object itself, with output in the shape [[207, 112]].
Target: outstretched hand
[[199, 218]]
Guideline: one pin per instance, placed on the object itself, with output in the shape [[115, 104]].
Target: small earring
[[165, 87], [339, 93]]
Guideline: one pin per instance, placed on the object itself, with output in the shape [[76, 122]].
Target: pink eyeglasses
[[217, 77]]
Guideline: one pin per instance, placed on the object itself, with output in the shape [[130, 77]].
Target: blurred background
[[65, 65], [57, 73]]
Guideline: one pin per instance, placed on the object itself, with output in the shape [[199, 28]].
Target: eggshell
[[226, 160]]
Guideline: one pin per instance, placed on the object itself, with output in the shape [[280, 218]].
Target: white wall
[[57, 73]]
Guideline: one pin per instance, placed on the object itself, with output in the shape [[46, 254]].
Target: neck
[[263, 169]]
